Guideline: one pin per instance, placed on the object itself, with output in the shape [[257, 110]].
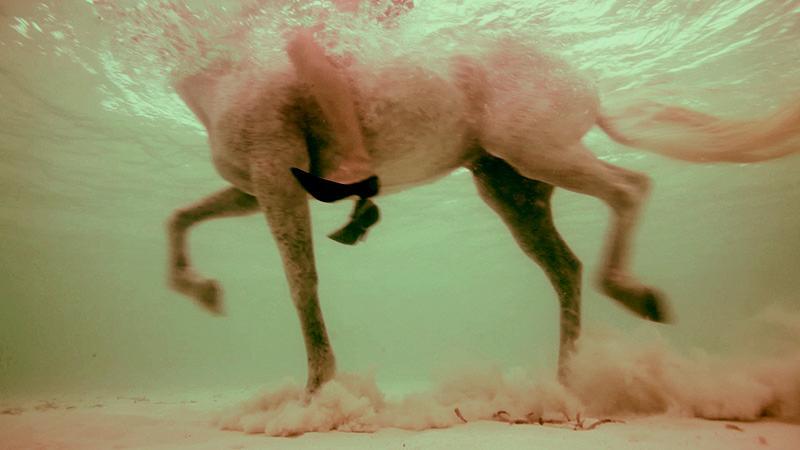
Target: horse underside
[[523, 204], [515, 164]]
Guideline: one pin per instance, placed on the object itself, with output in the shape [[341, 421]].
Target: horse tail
[[689, 135]]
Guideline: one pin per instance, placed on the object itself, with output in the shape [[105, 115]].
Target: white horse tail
[[688, 135]]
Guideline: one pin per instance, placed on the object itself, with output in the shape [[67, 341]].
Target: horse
[[515, 117]]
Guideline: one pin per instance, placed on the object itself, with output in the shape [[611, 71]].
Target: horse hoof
[[655, 307], [646, 302], [209, 295]]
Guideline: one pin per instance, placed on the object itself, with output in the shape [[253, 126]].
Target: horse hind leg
[[575, 168], [230, 202], [524, 205]]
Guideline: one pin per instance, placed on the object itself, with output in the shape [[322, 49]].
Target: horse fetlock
[[183, 279], [321, 369], [205, 291], [644, 301], [564, 371], [611, 279], [620, 286]]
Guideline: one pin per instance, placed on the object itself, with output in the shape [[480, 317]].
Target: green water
[[96, 151]]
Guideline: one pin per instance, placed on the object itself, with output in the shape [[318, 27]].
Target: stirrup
[[330, 191]]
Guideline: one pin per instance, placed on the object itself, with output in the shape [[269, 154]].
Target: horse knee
[[179, 220]]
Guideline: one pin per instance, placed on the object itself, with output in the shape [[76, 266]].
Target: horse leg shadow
[[524, 206]]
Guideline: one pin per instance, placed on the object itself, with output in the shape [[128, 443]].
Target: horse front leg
[[229, 202], [285, 205]]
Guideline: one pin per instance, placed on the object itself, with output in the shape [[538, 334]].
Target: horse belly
[[232, 165], [416, 129]]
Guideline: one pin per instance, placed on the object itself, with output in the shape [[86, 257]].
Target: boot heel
[[365, 214]]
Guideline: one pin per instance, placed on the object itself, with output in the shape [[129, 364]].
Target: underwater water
[[97, 150]]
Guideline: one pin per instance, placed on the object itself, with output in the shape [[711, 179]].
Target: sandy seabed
[[190, 423], [623, 394]]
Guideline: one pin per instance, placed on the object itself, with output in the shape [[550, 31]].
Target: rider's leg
[[332, 92]]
